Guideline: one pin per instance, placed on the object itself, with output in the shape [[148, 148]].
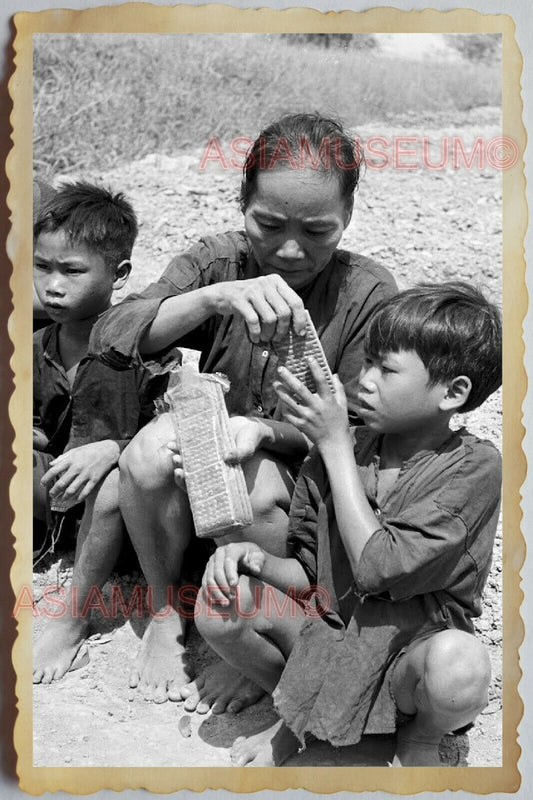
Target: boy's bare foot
[[219, 688], [270, 748], [160, 664], [415, 752], [59, 649]]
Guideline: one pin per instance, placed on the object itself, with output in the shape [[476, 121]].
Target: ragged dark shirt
[[101, 404], [340, 300], [423, 570]]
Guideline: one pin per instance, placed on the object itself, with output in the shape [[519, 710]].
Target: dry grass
[[103, 99]]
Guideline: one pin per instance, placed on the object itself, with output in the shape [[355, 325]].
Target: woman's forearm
[[176, 317], [284, 439]]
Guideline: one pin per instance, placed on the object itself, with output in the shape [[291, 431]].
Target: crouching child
[[367, 626]]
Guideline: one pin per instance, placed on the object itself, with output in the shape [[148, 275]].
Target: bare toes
[[174, 694], [133, 680], [160, 694], [191, 702], [205, 704], [192, 688], [220, 705]]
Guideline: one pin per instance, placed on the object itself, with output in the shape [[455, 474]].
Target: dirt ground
[[424, 225]]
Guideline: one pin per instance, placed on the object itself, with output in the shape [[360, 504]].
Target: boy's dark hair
[[299, 140], [453, 329], [93, 216]]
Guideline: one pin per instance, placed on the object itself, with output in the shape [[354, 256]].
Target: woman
[[230, 297]]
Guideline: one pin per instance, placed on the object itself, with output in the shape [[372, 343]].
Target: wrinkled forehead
[[311, 191]]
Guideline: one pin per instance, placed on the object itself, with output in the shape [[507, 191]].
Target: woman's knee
[[146, 463], [270, 485]]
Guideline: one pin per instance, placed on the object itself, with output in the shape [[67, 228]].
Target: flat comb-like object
[[217, 491], [293, 351]]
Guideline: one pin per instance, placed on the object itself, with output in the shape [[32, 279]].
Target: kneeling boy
[[391, 528]]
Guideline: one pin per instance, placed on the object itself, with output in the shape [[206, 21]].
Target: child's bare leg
[[158, 519], [444, 681], [97, 547], [255, 635], [270, 484]]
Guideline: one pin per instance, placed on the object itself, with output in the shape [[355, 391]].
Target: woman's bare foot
[[219, 688], [160, 667], [59, 648], [270, 748]]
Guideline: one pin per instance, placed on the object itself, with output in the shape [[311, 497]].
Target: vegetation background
[[104, 99]]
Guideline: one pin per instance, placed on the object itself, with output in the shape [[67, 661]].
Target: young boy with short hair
[[391, 533], [84, 412]]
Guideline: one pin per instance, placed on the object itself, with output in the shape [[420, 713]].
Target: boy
[[84, 412], [391, 536]]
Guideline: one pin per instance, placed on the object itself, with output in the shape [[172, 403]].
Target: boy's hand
[[73, 475], [323, 416], [40, 439], [221, 575]]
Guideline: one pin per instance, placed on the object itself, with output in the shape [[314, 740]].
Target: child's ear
[[348, 213], [122, 273], [457, 393]]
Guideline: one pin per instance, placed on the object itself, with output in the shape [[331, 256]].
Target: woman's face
[[295, 220]]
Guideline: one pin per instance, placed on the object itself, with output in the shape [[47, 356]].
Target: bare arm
[[254, 433], [231, 560], [267, 304], [323, 418]]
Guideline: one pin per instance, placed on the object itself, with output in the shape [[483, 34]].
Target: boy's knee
[[107, 495], [457, 671], [214, 621]]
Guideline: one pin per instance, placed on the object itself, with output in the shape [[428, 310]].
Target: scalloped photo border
[[145, 18]]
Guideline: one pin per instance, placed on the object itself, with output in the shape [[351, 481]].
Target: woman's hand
[[249, 433], [177, 465], [221, 575], [73, 475], [322, 417], [267, 304]]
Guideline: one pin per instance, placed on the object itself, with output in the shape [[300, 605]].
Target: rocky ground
[[423, 224]]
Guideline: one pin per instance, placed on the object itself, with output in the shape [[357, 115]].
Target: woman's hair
[[93, 216], [453, 329], [299, 141]]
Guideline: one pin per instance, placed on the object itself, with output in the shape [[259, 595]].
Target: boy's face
[[72, 281], [394, 394]]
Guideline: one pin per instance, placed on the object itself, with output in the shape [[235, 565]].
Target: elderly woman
[[229, 297]]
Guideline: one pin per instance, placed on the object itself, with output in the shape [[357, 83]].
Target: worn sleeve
[[367, 296], [37, 386], [455, 518], [303, 515], [116, 336]]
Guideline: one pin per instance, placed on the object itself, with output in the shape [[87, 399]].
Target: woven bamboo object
[[293, 351], [217, 491]]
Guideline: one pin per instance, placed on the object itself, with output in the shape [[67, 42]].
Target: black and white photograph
[[267, 399]]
